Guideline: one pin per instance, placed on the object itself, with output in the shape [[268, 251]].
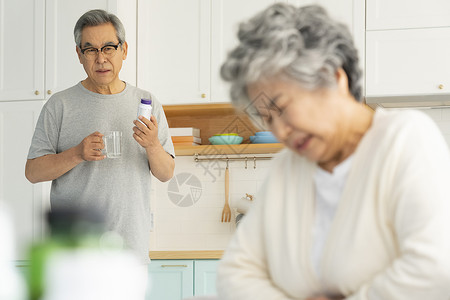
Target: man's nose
[[101, 58]]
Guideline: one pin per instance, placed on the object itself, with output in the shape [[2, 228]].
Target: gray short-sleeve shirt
[[120, 187]]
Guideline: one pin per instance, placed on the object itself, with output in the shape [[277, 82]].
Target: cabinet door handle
[[203, 95], [49, 92], [441, 86], [174, 266], [36, 92]]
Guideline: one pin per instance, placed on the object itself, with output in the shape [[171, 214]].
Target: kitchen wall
[[196, 224]]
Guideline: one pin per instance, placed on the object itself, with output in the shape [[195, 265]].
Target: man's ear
[[78, 50], [125, 50]]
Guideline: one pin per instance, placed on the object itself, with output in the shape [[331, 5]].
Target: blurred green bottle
[[70, 229]]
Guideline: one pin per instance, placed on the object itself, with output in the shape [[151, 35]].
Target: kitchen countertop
[[209, 254]]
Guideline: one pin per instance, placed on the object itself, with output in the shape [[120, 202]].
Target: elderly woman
[[358, 204]]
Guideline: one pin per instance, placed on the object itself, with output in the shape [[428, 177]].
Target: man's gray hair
[[301, 44], [97, 17]]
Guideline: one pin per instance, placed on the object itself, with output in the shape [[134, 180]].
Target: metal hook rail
[[227, 159]]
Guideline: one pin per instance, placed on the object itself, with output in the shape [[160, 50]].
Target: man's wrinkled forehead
[[99, 36]]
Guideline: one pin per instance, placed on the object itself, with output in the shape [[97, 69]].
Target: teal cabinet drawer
[[170, 279], [179, 279], [205, 273]]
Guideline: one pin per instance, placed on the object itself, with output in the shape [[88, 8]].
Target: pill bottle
[[145, 109]]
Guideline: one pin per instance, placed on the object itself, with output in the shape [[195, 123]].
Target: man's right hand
[[52, 166], [90, 148]]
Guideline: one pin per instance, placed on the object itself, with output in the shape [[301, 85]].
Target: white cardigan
[[390, 239]]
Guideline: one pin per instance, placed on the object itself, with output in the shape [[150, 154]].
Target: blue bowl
[[264, 133], [226, 140], [263, 139]]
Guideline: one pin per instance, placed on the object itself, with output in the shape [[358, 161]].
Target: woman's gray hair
[[301, 44], [97, 17]]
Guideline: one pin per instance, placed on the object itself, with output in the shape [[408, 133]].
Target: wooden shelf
[[211, 254], [228, 149], [216, 118], [211, 109]]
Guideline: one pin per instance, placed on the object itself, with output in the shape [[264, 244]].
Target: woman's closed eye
[[267, 118]]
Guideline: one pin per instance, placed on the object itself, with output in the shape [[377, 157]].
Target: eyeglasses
[[107, 50]]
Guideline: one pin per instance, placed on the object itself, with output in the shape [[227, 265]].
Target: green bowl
[[226, 134], [226, 140]]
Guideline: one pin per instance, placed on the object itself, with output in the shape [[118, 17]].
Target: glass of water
[[113, 144]]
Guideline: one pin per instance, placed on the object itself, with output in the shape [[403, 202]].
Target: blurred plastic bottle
[[81, 260], [66, 234], [93, 275]]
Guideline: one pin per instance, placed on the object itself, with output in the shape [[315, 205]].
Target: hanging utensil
[[226, 211]]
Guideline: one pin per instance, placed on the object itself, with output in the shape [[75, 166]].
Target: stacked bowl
[[263, 137], [226, 139]]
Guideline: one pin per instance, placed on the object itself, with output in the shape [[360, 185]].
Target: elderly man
[[67, 143]]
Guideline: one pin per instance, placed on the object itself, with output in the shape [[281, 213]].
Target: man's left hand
[[146, 135]]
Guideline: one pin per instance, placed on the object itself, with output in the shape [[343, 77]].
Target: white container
[[145, 109], [243, 204], [94, 274]]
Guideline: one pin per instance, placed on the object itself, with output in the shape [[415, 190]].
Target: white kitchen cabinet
[[37, 48], [408, 62], [174, 49], [181, 50], [22, 47], [407, 53], [400, 14], [27, 202]]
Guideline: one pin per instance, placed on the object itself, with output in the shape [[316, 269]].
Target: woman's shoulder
[[289, 164], [287, 157], [399, 131], [400, 117], [405, 121]]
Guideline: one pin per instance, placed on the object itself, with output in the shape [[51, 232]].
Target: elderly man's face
[[102, 69]]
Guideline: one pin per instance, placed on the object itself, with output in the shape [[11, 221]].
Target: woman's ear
[[342, 81]]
